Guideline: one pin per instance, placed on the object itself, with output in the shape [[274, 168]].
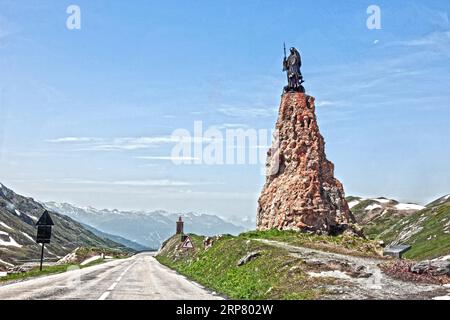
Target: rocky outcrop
[[301, 192]]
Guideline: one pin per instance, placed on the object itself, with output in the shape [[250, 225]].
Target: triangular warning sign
[[187, 244]]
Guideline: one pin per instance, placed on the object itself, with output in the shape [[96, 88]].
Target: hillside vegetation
[[274, 274], [426, 229]]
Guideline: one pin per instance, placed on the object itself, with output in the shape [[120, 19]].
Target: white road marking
[[104, 295], [113, 286]]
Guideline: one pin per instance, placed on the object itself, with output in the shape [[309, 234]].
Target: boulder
[[249, 257], [433, 267]]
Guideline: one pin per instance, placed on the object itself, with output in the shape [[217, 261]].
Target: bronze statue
[[292, 65]]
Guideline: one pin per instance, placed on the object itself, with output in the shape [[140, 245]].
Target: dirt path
[[359, 278]]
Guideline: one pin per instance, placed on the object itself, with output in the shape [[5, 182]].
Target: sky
[[87, 115]]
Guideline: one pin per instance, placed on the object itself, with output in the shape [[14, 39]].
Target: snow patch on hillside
[[408, 206], [384, 201], [4, 225], [6, 263], [353, 203], [27, 236], [33, 217], [373, 207], [10, 242]]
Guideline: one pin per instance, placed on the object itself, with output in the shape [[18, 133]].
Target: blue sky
[[138, 70]]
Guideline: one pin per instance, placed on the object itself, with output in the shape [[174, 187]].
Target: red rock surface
[[301, 192]]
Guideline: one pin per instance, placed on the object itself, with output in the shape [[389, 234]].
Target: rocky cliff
[[301, 192]]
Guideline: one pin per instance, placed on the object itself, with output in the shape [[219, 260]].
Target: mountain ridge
[[147, 228], [18, 216]]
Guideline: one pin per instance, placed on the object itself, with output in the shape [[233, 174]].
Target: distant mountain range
[[147, 229], [18, 216]]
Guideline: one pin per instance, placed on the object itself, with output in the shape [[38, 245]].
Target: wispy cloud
[[152, 183], [119, 143], [435, 40], [169, 158], [73, 139], [124, 143], [247, 112], [231, 126], [131, 183]]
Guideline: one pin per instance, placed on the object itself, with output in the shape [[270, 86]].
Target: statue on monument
[[292, 65]]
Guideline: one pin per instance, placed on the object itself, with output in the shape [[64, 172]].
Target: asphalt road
[[140, 277]]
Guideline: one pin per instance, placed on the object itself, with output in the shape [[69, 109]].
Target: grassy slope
[[82, 254], [431, 241], [373, 229], [67, 234], [376, 225], [273, 275]]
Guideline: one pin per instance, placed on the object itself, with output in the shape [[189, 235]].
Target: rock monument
[[301, 192]]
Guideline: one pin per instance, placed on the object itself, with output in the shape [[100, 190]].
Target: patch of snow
[[27, 236], [6, 263], [373, 207], [409, 206], [91, 259], [382, 200], [3, 274], [444, 258], [50, 252], [330, 274], [353, 203], [5, 226], [10, 243], [33, 217], [17, 212]]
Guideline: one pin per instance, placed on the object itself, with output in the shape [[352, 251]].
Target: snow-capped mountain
[[367, 210], [150, 228], [18, 216]]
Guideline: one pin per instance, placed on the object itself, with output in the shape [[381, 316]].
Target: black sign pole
[[44, 232], [42, 257]]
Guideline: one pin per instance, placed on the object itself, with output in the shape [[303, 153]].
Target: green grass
[[338, 244], [46, 270], [273, 275], [216, 268], [431, 241], [82, 254], [374, 228], [35, 273]]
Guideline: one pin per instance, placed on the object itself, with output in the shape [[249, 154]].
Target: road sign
[[187, 244], [44, 232]]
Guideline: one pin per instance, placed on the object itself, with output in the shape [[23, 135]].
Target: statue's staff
[[285, 63]]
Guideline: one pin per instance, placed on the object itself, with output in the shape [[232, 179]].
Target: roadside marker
[[187, 244]]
